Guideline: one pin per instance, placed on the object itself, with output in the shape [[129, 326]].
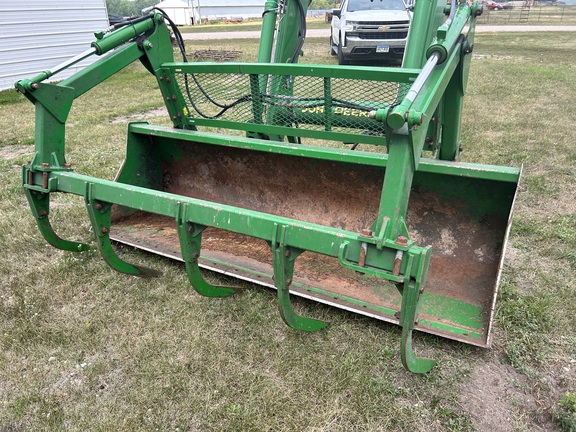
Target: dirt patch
[[158, 112], [494, 57], [498, 398], [15, 151]]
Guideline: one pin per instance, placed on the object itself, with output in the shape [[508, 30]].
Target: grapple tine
[[409, 360], [100, 215], [284, 259], [190, 243], [40, 205], [411, 290]]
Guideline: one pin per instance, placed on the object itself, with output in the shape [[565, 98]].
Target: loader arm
[[398, 230]]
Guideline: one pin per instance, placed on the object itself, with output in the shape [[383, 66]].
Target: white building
[[36, 35], [229, 9], [186, 12], [180, 12]]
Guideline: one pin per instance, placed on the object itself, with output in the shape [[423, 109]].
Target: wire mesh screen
[[305, 102]]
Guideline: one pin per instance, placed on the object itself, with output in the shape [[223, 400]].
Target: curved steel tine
[[100, 216], [410, 296], [284, 259], [190, 244], [40, 205]]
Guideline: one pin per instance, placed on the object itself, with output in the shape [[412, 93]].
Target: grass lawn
[[85, 348]]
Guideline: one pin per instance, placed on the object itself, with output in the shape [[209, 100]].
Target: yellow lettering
[[314, 110]]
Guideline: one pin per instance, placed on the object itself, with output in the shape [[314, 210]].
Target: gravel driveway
[[326, 32]]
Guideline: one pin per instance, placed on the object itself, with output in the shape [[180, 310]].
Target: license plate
[[382, 49]]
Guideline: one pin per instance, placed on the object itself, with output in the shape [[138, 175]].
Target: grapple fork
[[397, 229]]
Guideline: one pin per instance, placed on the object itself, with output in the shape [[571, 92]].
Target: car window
[[367, 5]]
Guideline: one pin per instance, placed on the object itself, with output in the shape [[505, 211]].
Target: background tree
[[324, 4], [127, 7]]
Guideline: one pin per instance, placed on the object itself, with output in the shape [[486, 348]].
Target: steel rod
[[423, 77], [70, 62]]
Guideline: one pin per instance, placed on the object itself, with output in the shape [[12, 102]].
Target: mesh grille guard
[[302, 103]]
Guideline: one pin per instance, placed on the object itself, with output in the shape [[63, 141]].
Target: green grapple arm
[[54, 101]]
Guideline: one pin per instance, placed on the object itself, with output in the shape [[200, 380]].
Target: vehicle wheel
[[332, 46], [341, 58]]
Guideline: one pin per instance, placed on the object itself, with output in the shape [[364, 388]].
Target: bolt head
[[402, 241], [366, 232]]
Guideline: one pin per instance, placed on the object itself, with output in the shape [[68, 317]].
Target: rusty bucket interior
[[461, 211]]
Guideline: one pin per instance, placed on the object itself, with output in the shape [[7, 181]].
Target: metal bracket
[[384, 274]]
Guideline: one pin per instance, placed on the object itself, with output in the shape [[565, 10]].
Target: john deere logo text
[[337, 110]]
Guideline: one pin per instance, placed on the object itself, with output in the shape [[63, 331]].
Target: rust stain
[[293, 187]]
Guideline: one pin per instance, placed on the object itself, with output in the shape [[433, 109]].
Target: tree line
[[128, 7]]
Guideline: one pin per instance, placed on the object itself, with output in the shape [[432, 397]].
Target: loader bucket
[[461, 210]]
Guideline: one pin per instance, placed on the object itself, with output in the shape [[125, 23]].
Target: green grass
[[566, 418], [84, 348]]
